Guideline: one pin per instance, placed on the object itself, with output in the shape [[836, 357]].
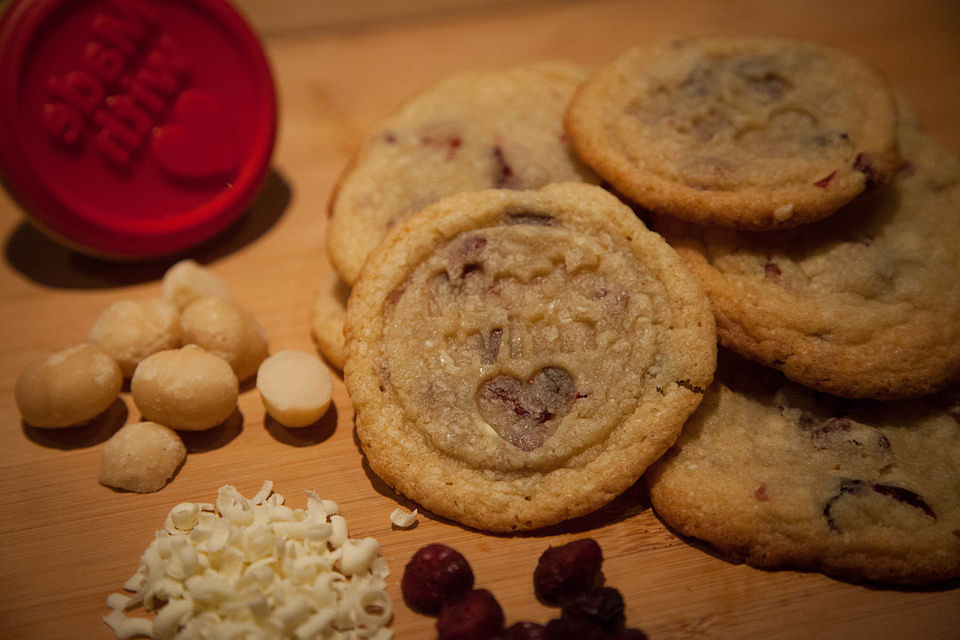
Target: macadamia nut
[[187, 388], [68, 387], [225, 329], [141, 457], [188, 280], [130, 330], [295, 386]]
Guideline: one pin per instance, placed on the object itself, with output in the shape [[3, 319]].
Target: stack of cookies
[[517, 357], [523, 348]]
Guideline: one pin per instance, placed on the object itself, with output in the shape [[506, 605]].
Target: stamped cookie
[[475, 130], [865, 303], [326, 318], [517, 358], [776, 475], [742, 132]]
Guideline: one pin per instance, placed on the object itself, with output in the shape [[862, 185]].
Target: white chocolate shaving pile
[[256, 569]]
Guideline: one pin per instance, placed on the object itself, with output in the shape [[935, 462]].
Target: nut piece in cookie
[[863, 304], [517, 358], [777, 475], [751, 133]]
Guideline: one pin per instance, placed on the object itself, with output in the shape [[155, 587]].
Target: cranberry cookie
[[776, 475], [326, 318], [865, 303], [741, 132], [475, 130], [517, 358]]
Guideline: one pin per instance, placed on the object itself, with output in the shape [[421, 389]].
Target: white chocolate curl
[[254, 568], [402, 518]]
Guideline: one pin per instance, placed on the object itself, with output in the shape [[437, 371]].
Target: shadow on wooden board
[[80, 437], [47, 262]]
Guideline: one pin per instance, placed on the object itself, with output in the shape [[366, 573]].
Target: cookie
[[475, 130], [749, 133], [518, 358], [776, 475], [326, 318], [865, 303]]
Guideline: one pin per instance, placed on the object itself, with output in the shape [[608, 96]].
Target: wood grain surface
[[66, 542]]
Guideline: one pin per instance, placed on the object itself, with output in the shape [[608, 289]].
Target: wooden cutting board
[[66, 542]]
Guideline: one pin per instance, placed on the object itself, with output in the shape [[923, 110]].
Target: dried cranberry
[[841, 434], [859, 488], [847, 485], [526, 413], [823, 435], [905, 496], [465, 257], [476, 615], [865, 163], [505, 174], [435, 574], [523, 631], [823, 182], [602, 606], [567, 570], [490, 347], [450, 143], [626, 634], [573, 629]]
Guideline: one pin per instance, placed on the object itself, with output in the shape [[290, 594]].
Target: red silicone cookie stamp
[[133, 128]]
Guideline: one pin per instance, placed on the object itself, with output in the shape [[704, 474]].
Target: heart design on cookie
[[526, 413], [198, 141]]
